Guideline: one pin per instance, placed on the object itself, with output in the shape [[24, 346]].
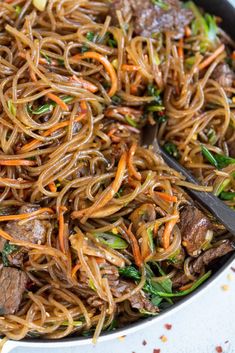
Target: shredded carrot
[[135, 247], [106, 63], [233, 55], [75, 269], [212, 57], [187, 286], [168, 229], [22, 216], [131, 168], [181, 48], [100, 260], [85, 84], [35, 143], [126, 67], [52, 186], [112, 136], [187, 31], [108, 194], [13, 162], [58, 101], [62, 209], [166, 197]]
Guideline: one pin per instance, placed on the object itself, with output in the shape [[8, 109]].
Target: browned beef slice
[[150, 18], [33, 231], [223, 75], [212, 254], [231, 147], [179, 280], [194, 226], [12, 286]]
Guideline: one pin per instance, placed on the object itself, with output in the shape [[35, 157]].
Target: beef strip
[[194, 226], [223, 75], [33, 231], [12, 286], [150, 18], [211, 254], [231, 147], [203, 260]]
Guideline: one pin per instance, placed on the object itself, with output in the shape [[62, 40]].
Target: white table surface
[[207, 325]]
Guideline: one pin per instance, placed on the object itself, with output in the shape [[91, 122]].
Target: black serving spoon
[[212, 203]]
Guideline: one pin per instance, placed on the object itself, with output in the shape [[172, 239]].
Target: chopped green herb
[[116, 100], [119, 193], [212, 137], [130, 272], [111, 41], [163, 5], [131, 121], [7, 250], [11, 107], [189, 62], [227, 196], [90, 36], [111, 240], [113, 325], [162, 118], [48, 107], [171, 149], [60, 62]]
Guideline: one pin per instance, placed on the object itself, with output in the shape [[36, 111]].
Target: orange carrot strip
[[187, 31], [106, 63], [126, 67], [52, 186], [131, 168], [233, 55], [107, 194], [181, 48], [35, 143], [167, 231], [212, 57], [13, 162], [85, 84], [25, 215], [166, 197], [62, 209], [75, 269], [135, 247], [58, 101], [187, 286]]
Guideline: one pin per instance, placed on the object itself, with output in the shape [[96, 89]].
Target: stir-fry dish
[[96, 231]]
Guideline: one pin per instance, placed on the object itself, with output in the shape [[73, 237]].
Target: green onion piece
[[163, 5], [189, 290], [221, 188], [171, 149], [223, 161], [116, 100], [18, 9], [212, 137], [150, 238], [111, 41], [75, 323], [60, 62], [48, 107], [131, 121], [161, 118], [111, 240], [46, 57], [11, 107], [119, 193], [91, 284], [155, 108], [130, 272], [227, 196], [209, 156]]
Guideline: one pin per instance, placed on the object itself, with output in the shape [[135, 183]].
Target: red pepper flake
[[144, 343], [233, 269], [219, 349], [168, 326], [156, 350]]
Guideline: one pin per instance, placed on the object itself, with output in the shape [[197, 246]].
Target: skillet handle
[[212, 203]]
